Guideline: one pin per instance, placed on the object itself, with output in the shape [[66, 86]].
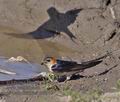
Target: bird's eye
[[48, 60]]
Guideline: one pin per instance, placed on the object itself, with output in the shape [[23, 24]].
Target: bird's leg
[[51, 77], [63, 78], [67, 78]]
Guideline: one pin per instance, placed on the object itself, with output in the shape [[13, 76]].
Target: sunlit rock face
[[50, 25]]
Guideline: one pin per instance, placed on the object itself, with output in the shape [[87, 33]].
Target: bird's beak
[[42, 63]]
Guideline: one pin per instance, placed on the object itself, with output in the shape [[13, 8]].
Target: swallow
[[69, 68]]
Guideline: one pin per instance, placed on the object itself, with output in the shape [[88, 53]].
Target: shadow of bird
[[57, 23]]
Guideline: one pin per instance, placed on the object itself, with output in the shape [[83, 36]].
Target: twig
[[112, 13]]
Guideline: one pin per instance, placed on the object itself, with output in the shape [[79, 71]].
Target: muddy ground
[[80, 30]]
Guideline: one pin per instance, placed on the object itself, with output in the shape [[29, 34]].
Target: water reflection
[[23, 70]]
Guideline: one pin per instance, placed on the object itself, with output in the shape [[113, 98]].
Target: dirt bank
[[75, 29]]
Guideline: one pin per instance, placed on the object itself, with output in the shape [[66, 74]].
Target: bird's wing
[[89, 64], [94, 61], [64, 66], [68, 66], [74, 11], [70, 34]]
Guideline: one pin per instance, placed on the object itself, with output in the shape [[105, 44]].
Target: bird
[[69, 68]]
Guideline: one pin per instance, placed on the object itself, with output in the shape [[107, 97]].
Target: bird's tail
[[24, 35], [93, 62]]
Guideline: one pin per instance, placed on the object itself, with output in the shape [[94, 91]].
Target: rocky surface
[[72, 29], [110, 97]]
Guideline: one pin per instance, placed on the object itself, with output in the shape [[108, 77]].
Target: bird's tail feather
[[24, 35], [93, 62], [97, 59]]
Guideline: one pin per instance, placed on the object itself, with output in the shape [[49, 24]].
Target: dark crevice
[[11, 82], [104, 72], [108, 2], [112, 35]]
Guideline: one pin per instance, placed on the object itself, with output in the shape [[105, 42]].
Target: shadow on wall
[[57, 23]]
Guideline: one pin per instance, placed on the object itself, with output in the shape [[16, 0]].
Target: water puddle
[[19, 70]]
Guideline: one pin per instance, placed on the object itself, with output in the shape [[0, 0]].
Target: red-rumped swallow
[[69, 68]]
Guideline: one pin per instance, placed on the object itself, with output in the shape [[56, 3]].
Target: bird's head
[[49, 62]]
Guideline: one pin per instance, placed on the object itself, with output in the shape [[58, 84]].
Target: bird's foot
[[67, 79], [51, 77]]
